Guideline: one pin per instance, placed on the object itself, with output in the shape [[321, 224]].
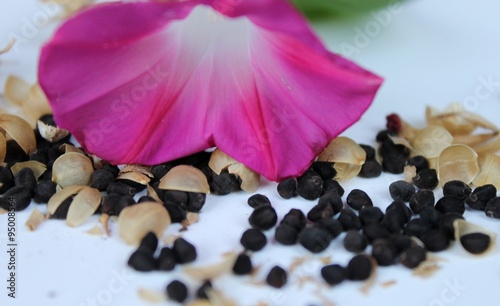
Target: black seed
[[493, 208], [481, 196], [26, 178], [14, 153], [357, 199], [369, 150], [413, 256], [321, 210], [142, 261], [184, 251], [149, 243], [334, 200], [166, 259], [287, 189], [177, 291], [17, 198], [198, 160], [417, 227], [209, 174], [384, 135], [196, 200], [224, 183], [447, 223], [333, 226], [201, 293], [277, 277], [177, 213], [295, 218], [176, 197], [332, 186], [263, 217], [62, 211], [384, 252], [146, 198], [394, 157], [457, 189], [402, 207], [426, 179], [435, 240], [258, 200], [395, 220], [286, 234], [401, 190], [44, 190], [159, 171], [370, 169], [137, 186], [373, 231], [349, 219], [111, 168], [310, 185], [40, 156], [324, 169], [121, 189], [109, 203], [315, 239], [419, 162], [101, 178], [359, 268], [475, 243], [370, 214], [253, 240], [355, 242], [401, 242], [6, 179], [432, 215], [450, 204], [243, 265], [333, 274], [421, 199], [125, 201]]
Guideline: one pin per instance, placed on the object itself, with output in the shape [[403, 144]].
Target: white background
[[428, 51]]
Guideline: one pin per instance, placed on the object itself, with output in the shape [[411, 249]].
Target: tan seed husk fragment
[[37, 167], [346, 171], [56, 200], [213, 271], [8, 47], [463, 227], [20, 131], [3, 147], [146, 170], [185, 178], [409, 173], [217, 298], [430, 141], [137, 220], [104, 219], [3, 211], [199, 302], [134, 176], [95, 231], [51, 133], [151, 296], [457, 162], [489, 165], [343, 150], [220, 161], [152, 193], [490, 146], [72, 169], [35, 219], [83, 206], [67, 148], [16, 90]]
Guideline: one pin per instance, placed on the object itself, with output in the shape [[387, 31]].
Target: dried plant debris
[[96, 230], [8, 47], [213, 271], [185, 178], [35, 219], [346, 155], [474, 239], [488, 173], [37, 167], [19, 130], [457, 162], [151, 296], [84, 205], [57, 199], [72, 169], [137, 220], [220, 161], [51, 133], [69, 7]]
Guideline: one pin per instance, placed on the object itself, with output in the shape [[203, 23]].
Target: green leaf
[[339, 8]]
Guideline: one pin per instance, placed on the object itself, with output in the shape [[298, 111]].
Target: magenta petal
[[149, 82]]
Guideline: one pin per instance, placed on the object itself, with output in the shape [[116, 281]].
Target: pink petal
[[149, 82]]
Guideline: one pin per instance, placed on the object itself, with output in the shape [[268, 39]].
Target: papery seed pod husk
[[463, 227], [84, 205], [59, 197], [430, 141], [37, 167], [346, 171], [145, 170], [3, 147], [457, 162], [343, 150], [185, 178], [137, 220], [69, 148], [220, 161], [34, 220], [51, 133], [20, 131], [72, 169], [153, 194], [8, 47], [488, 174], [213, 271], [16, 90], [134, 176]]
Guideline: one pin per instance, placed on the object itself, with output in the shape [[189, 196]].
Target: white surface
[[430, 52]]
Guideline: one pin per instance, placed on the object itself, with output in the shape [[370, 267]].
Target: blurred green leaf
[[339, 8]]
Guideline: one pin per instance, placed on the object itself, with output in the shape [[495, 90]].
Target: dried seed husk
[[200, 302], [151, 296], [463, 227], [37, 167], [103, 219], [72, 169], [185, 178], [145, 170], [35, 219], [37, 104], [213, 271], [407, 131], [346, 171], [220, 161], [8, 47], [401, 141], [95, 231], [137, 220], [134, 176], [59, 197], [489, 165], [83, 206], [490, 146], [430, 141], [3, 147], [52, 133], [457, 162], [68, 148], [20, 131], [3, 211], [16, 90], [474, 139], [343, 150], [409, 173], [216, 298], [152, 193], [451, 119]]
